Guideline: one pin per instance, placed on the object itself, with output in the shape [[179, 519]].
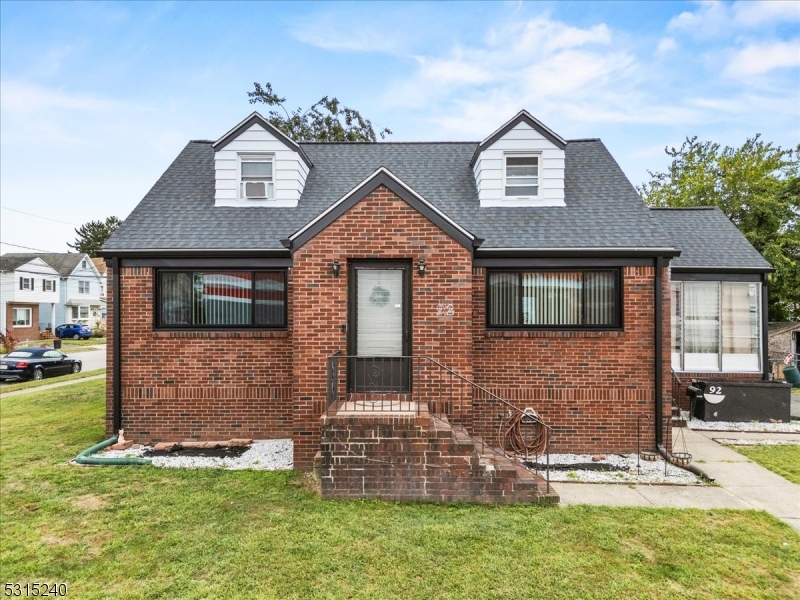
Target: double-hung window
[[521, 175], [48, 285], [221, 299], [716, 326], [256, 176], [26, 283], [21, 317], [554, 299], [83, 287]]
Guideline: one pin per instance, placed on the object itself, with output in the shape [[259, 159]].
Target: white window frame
[[269, 182], [49, 285], [27, 320], [84, 265], [27, 283], [680, 357], [509, 181], [84, 287], [76, 311]]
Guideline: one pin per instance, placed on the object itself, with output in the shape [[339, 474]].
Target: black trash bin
[[57, 344]]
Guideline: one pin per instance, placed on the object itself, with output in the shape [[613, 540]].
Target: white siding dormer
[[274, 160], [536, 181]]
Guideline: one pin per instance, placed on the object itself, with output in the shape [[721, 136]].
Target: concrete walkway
[[744, 484]]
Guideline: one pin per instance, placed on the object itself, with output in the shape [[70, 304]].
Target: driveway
[[92, 359]]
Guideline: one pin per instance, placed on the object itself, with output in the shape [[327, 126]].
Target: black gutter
[[577, 252], [765, 366], [117, 367], [658, 340], [731, 270], [194, 253]]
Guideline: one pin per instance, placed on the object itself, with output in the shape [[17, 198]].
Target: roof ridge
[[594, 139], [382, 143], [684, 207]]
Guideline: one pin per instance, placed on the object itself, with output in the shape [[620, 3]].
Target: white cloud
[[666, 45], [332, 31], [760, 58], [713, 18]]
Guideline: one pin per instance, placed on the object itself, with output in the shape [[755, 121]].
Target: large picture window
[[716, 326], [554, 299], [221, 299]]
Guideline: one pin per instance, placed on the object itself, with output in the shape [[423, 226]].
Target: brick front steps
[[409, 456]]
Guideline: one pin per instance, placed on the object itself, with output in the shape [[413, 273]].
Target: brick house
[[385, 303]]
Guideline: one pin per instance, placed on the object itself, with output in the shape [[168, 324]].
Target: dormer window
[[521, 176], [256, 178]]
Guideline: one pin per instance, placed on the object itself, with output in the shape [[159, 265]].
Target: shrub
[[9, 341]]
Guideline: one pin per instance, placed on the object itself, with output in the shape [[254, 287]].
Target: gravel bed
[[625, 470], [792, 427], [266, 455], [749, 442]]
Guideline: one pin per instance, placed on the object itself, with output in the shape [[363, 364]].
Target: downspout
[[658, 354], [117, 367], [86, 458], [765, 366]]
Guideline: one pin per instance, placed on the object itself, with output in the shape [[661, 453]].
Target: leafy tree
[[758, 187], [92, 235], [325, 121]]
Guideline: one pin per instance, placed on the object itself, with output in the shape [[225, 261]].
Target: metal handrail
[[437, 404]]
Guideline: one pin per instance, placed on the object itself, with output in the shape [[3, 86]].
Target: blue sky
[[96, 99]]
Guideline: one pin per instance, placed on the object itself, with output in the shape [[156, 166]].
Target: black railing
[[416, 384]]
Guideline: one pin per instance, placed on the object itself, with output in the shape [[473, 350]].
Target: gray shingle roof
[[63, 262], [707, 238], [603, 209], [10, 262]]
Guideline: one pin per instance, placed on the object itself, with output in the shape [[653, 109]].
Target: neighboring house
[[29, 290], [784, 339], [523, 271], [79, 290], [100, 265]]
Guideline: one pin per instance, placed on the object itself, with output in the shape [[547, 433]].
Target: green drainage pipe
[[84, 457]]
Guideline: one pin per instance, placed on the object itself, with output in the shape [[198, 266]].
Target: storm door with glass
[[379, 327]]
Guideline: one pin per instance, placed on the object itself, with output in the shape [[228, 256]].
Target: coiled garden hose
[[523, 433], [85, 458]]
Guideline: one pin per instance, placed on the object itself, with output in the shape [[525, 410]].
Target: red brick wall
[[589, 385], [179, 386], [381, 226], [23, 333]]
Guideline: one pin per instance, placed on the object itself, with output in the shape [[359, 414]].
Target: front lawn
[[783, 460], [142, 532], [24, 385]]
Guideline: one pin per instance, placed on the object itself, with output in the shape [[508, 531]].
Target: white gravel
[[750, 442], [265, 455], [651, 471], [792, 427]]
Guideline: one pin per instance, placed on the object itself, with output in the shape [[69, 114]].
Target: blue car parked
[[76, 331]]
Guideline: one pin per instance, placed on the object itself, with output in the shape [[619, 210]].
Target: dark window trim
[[618, 326], [252, 327], [745, 277]]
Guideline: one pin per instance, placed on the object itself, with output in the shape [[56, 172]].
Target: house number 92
[[445, 310]]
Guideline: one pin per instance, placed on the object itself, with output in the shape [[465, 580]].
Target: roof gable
[[12, 262], [256, 119], [384, 177], [522, 116]]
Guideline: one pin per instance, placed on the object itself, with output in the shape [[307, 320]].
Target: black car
[[36, 363]]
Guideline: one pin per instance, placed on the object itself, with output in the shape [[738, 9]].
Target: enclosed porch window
[[716, 326]]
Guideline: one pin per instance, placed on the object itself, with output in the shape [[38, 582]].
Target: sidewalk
[[745, 484], [50, 386]]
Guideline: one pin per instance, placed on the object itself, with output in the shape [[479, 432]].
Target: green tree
[[92, 235], [758, 187], [325, 121]]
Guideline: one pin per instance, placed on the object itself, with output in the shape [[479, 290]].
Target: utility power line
[[37, 216], [29, 248]]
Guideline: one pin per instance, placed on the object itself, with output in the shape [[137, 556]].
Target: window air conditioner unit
[[255, 189]]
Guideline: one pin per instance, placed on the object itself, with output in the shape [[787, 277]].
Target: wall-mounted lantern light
[[335, 268], [421, 267]]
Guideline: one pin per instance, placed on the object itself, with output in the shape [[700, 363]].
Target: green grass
[[783, 460], [142, 532], [90, 342], [24, 385]]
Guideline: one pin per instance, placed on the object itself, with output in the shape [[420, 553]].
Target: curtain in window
[[504, 298], [379, 298], [552, 298], [601, 298], [270, 299], [677, 324], [222, 298], [740, 328], [701, 325], [176, 298]]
